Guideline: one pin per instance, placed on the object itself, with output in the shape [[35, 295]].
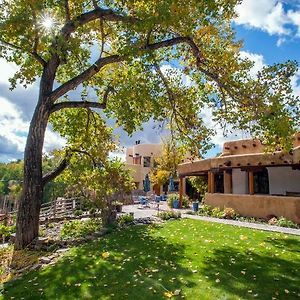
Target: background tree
[[117, 48], [166, 164], [91, 174], [199, 183]]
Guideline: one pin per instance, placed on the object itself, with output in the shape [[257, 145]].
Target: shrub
[[6, 231], [166, 215], [92, 211], [229, 213], [283, 222], [125, 219], [205, 210], [171, 198], [185, 200], [217, 213], [273, 221], [78, 212], [78, 229]]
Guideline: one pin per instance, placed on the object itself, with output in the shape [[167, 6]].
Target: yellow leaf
[[105, 254], [168, 294]]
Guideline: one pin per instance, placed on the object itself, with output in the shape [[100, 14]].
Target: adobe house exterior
[[251, 181], [140, 159]]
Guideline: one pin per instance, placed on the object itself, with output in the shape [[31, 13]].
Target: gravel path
[[246, 224], [152, 211]]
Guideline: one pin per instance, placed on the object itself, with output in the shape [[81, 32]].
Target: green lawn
[[204, 260]]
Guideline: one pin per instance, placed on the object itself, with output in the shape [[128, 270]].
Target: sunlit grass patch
[[182, 258]]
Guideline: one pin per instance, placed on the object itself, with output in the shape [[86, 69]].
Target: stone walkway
[[152, 211]]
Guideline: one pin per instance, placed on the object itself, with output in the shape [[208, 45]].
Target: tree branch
[[64, 164], [57, 171], [97, 13], [77, 104], [67, 10], [32, 53], [85, 75], [101, 62]]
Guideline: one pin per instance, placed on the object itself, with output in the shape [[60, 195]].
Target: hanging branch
[[83, 104]]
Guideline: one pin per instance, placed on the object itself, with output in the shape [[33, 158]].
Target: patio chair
[[143, 202]]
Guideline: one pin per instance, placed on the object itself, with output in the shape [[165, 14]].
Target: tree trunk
[[108, 216], [32, 193], [30, 202]]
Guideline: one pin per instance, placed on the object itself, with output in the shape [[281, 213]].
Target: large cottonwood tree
[[118, 48]]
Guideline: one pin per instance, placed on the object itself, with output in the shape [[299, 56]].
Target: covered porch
[[253, 184]]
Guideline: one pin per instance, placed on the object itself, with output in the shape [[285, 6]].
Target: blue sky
[[270, 30]]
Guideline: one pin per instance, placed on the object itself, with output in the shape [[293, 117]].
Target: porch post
[[208, 182], [227, 182], [180, 191], [251, 182], [212, 182]]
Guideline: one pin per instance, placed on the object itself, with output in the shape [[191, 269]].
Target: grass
[[17, 260], [204, 260]]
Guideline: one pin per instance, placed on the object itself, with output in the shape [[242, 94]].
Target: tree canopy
[[115, 52], [117, 48]]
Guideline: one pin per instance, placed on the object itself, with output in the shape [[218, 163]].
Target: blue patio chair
[[143, 201], [158, 199]]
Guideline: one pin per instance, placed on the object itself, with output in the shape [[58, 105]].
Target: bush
[[6, 231], [217, 213], [125, 219], [205, 210], [171, 198], [185, 200], [78, 229], [166, 215], [229, 213], [92, 211], [283, 222], [273, 221], [78, 213]]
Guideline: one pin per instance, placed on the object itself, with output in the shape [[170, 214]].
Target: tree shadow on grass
[[129, 264], [293, 245], [254, 275], [12, 260]]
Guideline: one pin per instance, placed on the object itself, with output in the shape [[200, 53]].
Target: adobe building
[[249, 180], [140, 159]]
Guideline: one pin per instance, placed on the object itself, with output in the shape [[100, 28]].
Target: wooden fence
[[60, 207]]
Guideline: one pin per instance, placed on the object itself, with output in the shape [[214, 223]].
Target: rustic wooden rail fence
[[61, 207], [58, 208]]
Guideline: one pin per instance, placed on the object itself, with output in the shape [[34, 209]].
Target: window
[[147, 161], [219, 183], [261, 182], [137, 160]]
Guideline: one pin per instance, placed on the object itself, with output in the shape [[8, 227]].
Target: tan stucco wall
[[138, 170], [242, 147], [257, 205]]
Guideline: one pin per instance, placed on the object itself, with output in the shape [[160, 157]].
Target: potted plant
[[173, 201], [195, 205]]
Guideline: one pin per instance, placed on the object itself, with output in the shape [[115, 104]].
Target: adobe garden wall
[[259, 206]]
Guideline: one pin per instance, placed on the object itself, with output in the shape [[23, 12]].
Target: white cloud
[[7, 71], [53, 141], [218, 139], [270, 16], [13, 127], [267, 15], [258, 60], [296, 83], [294, 17]]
